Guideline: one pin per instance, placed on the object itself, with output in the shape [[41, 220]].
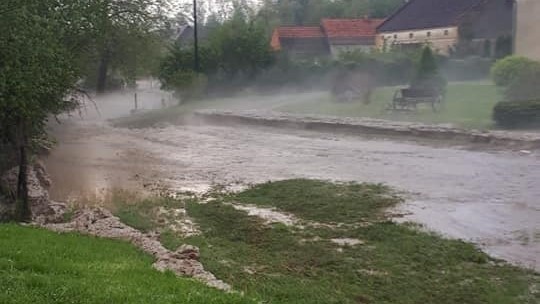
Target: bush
[[519, 77], [427, 73], [507, 69], [517, 113]]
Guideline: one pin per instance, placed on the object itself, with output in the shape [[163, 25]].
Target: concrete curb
[[370, 126]]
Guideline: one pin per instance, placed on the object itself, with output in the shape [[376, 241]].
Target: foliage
[[39, 266], [117, 38], [505, 70], [513, 114], [519, 77], [304, 12], [237, 52], [427, 73], [503, 46], [242, 46], [37, 75]]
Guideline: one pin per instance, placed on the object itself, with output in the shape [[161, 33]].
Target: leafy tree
[[242, 46], [116, 35], [37, 73]]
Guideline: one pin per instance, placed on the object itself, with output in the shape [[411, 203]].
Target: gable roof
[[299, 32], [309, 34], [347, 28], [424, 14]]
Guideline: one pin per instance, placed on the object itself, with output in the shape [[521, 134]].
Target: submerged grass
[[393, 263], [39, 266]]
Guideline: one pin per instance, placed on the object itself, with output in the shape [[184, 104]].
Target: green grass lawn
[[39, 266], [395, 263], [467, 105]]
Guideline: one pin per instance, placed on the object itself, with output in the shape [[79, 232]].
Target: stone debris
[[347, 242], [42, 209], [269, 215], [102, 223], [178, 221]]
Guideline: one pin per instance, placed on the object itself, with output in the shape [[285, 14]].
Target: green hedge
[[517, 113]]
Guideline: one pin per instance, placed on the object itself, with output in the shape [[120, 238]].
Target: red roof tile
[[295, 32], [339, 28], [300, 32]]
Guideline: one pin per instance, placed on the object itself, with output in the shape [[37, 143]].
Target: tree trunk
[[101, 84], [23, 206]]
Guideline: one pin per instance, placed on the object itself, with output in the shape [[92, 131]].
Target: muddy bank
[[371, 126]]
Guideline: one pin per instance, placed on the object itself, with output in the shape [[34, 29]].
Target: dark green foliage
[[237, 52], [303, 12], [517, 113], [503, 46], [37, 79], [427, 75], [41, 267]]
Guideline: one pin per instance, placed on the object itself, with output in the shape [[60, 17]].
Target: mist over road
[[490, 198]]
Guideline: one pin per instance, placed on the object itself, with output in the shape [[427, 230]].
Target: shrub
[[519, 77], [427, 73], [517, 113], [507, 69]]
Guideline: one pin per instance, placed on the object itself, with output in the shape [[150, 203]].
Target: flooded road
[[490, 198]]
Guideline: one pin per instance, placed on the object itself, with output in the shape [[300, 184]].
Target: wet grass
[[38, 266], [396, 263], [144, 214], [467, 105], [324, 202]]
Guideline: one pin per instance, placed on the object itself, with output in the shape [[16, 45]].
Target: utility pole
[[195, 37]]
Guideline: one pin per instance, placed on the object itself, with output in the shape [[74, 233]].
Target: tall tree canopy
[[37, 73]]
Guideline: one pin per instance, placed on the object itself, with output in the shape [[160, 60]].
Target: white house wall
[[527, 31], [440, 39]]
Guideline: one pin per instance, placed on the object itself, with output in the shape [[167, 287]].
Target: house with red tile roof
[[331, 38], [345, 35], [303, 41]]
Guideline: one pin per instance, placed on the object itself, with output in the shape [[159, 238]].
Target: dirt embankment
[[371, 126]]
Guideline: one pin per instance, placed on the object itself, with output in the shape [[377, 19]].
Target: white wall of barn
[[440, 39]]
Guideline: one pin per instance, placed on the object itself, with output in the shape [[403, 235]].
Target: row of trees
[[237, 51]]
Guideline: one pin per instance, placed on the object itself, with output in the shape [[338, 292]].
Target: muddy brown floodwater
[[490, 198]]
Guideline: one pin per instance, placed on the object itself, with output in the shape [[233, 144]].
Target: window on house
[[395, 36], [446, 32], [411, 35], [429, 34]]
